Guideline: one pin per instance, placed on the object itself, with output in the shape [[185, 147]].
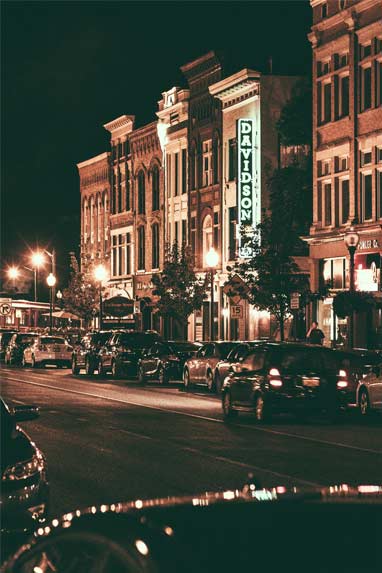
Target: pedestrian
[[315, 334]]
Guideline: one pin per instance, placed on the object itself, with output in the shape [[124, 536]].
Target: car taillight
[[273, 381], [342, 383], [342, 373]]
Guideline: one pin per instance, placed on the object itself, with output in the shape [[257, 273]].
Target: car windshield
[[25, 338], [224, 348], [6, 337], [52, 340], [183, 347], [138, 339], [303, 360], [100, 337]]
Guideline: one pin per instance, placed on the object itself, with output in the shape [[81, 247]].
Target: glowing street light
[[13, 273], [51, 281], [100, 274], [212, 260], [38, 260]]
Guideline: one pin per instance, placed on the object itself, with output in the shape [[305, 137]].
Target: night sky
[[69, 67]]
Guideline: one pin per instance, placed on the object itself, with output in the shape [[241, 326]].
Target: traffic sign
[[295, 300], [5, 308], [237, 311], [235, 289]]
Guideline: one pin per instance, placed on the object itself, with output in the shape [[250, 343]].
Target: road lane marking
[[207, 418], [134, 434]]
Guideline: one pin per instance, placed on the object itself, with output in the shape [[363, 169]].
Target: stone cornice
[[97, 158], [120, 122], [242, 81]]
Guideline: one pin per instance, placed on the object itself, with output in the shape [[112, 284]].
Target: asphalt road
[[108, 440]]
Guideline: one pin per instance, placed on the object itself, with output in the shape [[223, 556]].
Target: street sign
[[5, 308], [295, 300], [235, 288], [237, 311]]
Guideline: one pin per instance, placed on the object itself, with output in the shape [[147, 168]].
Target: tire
[[364, 404], [75, 369], [162, 376], [101, 371], [210, 381], [218, 384], [141, 377], [228, 412], [115, 370], [262, 410], [186, 381], [89, 368]]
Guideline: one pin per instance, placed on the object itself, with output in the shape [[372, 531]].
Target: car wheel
[[162, 376], [101, 371], [115, 370], [228, 412], [217, 383], [89, 369], [262, 410], [33, 362], [210, 382], [186, 381], [141, 376], [364, 403], [75, 369]]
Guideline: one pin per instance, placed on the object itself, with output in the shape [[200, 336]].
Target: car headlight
[[24, 470]]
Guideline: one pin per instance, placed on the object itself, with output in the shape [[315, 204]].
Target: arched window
[[141, 193], [155, 188], [155, 246], [141, 248], [207, 235]]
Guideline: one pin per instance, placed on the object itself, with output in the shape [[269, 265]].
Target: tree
[[295, 123], [179, 289], [271, 274], [347, 302], [81, 297]]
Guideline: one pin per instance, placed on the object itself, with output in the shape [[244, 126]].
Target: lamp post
[[38, 260], [212, 259], [100, 275], [51, 281], [351, 239], [59, 297], [13, 273]]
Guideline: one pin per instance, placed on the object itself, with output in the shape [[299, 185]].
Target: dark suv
[[164, 361], [85, 353], [121, 353], [285, 377]]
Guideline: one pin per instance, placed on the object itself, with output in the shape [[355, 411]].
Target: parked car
[[85, 352], [369, 391], [200, 368], [24, 483], [237, 354], [285, 377], [46, 349], [5, 337], [164, 361], [15, 349], [122, 351], [354, 365]]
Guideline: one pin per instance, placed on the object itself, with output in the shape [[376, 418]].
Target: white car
[[369, 391], [48, 350]]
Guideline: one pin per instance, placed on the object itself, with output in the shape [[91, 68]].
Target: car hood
[[16, 446]]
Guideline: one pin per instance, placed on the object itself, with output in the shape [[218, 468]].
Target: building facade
[[251, 105], [94, 177], [346, 42]]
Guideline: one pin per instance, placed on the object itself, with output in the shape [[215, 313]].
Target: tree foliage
[[81, 297], [179, 289], [271, 274], [347, 302]]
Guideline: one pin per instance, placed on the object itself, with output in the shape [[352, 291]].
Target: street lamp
[[351, 239], [38, 260], [100, 274], [212, 259], [13, 273], [51, 281]]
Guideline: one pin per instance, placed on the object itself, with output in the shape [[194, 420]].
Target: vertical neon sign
[[248, 196]]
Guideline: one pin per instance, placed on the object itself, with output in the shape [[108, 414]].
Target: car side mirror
[[24, 413]]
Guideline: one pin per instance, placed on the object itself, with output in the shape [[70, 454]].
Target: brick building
[[346, 41], [95, 210]]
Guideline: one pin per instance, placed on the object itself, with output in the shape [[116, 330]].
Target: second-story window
[[127, 190], [215, 160], [365, 88], [184, 171], [155, 188], [128, 254], [141, 248], [155, 246], [207, 163], [366, 197], [328, 203], [141, 193], [176, 174]]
